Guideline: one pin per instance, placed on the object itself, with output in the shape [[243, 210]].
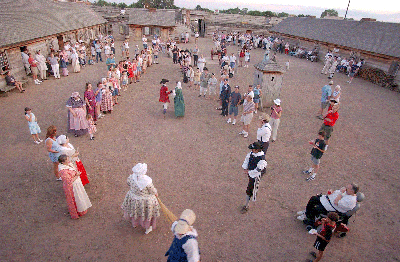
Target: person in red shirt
[[329, 121], [325, 235], [164, 98], [35, 71]]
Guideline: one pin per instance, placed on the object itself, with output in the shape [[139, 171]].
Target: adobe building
[[42, 25], [150, 22], [376, 42]]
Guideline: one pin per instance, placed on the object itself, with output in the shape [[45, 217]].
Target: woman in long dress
[[90, 100], [77, 198], [66, 148], [179, 103], [141, 206], [77, 122], [75, 62]]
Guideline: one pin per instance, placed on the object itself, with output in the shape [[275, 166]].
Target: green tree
[[329, 12], [283, 14], [269, 14], [101, 3], [159, 4], [255, 13], [122, 5], [198, 7]]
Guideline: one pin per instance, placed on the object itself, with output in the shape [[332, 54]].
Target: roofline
[[38, 39], [336, 45], [152, 25]]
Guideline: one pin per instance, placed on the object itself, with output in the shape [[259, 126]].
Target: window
[[156, 31], [146, 30], [4, 66]]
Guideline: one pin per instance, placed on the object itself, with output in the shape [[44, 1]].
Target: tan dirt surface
[[195, 163]]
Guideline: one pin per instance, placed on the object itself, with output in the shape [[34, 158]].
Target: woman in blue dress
[[53, 148]]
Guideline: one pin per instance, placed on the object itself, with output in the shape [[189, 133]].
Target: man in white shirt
[[341, 201], [264, 132], [144, 40], [232, 61], [25, 58]]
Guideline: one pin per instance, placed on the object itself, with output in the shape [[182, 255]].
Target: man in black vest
[[254, 167]]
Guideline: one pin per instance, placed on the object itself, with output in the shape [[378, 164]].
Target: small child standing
[[316, 154], [33, 125], [92, 128], [124, 81], [325, 235], [155, 53], [287, 65], [115, 87]]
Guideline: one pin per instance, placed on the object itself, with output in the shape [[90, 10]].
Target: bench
[[5, 88]]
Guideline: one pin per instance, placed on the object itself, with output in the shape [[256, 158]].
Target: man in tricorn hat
[[164, 98], [184, 247], [254, 167]]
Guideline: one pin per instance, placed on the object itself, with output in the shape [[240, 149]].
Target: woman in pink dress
[[77, 122], [77, 199], [90, 100]]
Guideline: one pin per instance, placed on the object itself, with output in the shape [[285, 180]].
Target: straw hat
[[277, 102], [185, 221], [264, 117]]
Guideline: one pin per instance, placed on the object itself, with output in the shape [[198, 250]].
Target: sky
[[382, 10]]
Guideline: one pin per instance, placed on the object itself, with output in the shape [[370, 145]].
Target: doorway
[[60, 39]]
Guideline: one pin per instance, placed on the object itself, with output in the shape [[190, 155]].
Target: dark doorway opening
[[202, 27], [60, 42]]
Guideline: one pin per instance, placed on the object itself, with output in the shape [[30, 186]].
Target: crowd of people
[[141, 205]]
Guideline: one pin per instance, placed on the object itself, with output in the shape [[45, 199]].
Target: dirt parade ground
[[195, 162]]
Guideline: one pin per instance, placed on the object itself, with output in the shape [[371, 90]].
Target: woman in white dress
[[75, 61], [141, 206]]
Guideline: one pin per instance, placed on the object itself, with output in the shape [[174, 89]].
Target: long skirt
[[75, 65], [92, 111], [78, 124], [77, 199], [141, 222], [106, 102], [64, 71]]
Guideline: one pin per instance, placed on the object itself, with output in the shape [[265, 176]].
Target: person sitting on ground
[[10, 80], [341, 201]]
